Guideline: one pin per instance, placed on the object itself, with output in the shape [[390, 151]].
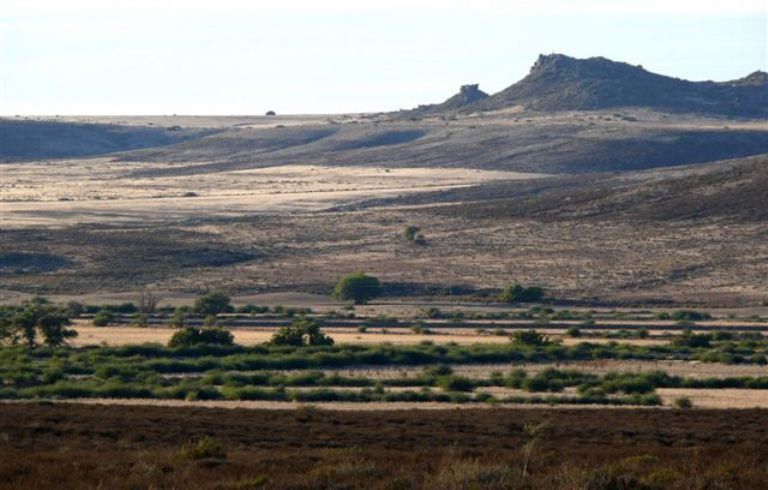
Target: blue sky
[[303, 56]]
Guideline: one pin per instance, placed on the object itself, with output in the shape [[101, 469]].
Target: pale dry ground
[[717, 398], [90, 335], [99, 190]]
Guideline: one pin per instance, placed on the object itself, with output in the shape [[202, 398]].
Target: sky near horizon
[[304, 56]]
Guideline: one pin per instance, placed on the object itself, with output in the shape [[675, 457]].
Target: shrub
[[434, 312], [178, 319], [140, 320], [573, 332], [252, 309], [690, 316], [683, 402], [411, 232], [529, 337], [439, 370], [357, 287], [520, 294], [302, 332], [103, 318], [689, 339], [212, 303], [420, 329], [455, 383], [203, 448]]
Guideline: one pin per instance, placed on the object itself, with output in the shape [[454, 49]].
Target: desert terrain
[[632, 202]]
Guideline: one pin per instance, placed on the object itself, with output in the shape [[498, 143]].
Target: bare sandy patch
[[101, 190]]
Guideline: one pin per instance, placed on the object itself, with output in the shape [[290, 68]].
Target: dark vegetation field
[[77, 446]]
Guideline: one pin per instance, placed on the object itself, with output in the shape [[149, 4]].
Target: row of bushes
[[35, 363], [69, 389]]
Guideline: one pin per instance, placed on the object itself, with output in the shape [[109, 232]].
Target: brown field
[[86, 446]]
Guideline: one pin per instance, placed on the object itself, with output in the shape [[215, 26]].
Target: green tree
[[212, 303], [303, 331], [52, 326], [22, 324], [357, 287]]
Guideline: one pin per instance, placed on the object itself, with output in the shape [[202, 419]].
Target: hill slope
[[734, 190]]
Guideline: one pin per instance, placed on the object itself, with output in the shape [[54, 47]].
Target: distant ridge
[[558, 82]]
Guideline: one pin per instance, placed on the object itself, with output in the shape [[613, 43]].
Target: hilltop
[[558, 82]]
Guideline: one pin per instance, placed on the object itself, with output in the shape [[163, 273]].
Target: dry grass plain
[[122, 335], [696, 264], [102, 190]]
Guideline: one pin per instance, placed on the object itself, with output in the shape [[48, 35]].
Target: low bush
[[202, 448], [103, 318], [520, 294]]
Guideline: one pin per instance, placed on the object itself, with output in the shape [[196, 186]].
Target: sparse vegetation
[[202, 448]]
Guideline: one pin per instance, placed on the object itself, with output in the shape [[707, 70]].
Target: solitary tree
[[212, 303], [147, 302], [357, 287]]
